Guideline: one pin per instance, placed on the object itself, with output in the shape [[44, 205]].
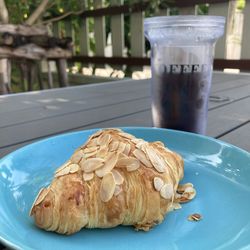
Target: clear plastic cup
[[182, 51]]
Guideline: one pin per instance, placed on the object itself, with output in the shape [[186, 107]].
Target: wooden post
[[50, 77], [245, 51], [9, 89], [137, 35], [220, 9], [61, 65], [31, 74], [117, 29], [99, 30], [84, 33], [23, 71], [39, 75], [3, 89]]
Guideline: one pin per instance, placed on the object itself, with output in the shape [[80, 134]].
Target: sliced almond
[[185, 193], [159, 143], [41, 195], [73, 168], [126, 135], [191, 192], [90, 149], [134, 165], [142, 157], [108, 165], [156, 160], [127, 149], [194, 217], [124, 162], [113, 145], [182, 187], [102, 152], [158, 183], [118, 177], [121, 147], [97, 133], [88, 176], [118, 190], [167, 191], [122, 155], [103, 139], [176, 206], [77, 156], [182, 199], [63, 172], [114, 130], [90, 154], [136, 140], [92, 142], [140, 145], [107, 188], [91, 164], [63, 166]]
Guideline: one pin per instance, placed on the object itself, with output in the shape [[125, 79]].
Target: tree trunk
[[37, 13]]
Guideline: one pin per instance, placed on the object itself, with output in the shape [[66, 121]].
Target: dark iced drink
[[180, 100], [182, 50]]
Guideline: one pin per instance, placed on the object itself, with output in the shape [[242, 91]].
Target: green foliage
[[203, 9], [241, 4], [20, 10]]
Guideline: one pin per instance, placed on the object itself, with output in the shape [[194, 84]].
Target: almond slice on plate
[[139, 154], [118, 190], [108, 165], [113, 145], [67, 163], [104, 139], [156, 160], [74, 168], [107, 188], [118, 177], [91, 164], [64, 171], [77, 156], [158, 183], [167, 191], [88, 176]]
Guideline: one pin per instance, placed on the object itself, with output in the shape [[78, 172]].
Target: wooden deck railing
[[136, 11]]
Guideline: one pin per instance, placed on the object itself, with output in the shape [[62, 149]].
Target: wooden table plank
[[225, 118], [71, 93], [136, 119], [239, 137], [63, 95], [53, 106], [49, 126], [46, 119], [229, 95], [59, 109]]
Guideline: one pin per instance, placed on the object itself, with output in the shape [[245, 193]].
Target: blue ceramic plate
[[219, 171]]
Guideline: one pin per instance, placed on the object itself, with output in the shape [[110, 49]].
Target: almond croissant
[[113, 179]]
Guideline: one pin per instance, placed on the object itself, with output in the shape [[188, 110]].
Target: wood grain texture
[[239, 137], [35, 115]]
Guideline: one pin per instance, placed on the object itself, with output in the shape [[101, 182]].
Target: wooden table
[[28, 117]]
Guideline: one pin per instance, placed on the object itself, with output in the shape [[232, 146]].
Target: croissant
[[113, 179]]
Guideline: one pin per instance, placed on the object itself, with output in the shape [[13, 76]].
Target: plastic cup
[[182, 51]]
